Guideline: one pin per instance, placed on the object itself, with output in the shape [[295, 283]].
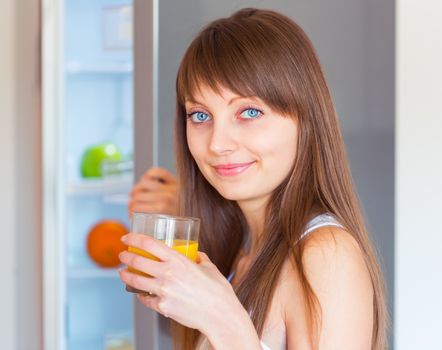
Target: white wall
[[418, 175], [20, 177], [7, 242]]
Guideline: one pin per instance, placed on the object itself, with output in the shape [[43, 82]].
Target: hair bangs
[[229, 55]]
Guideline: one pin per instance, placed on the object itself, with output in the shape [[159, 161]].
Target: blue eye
[[198, 117], [251, 113]]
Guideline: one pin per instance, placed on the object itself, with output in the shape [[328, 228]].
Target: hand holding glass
[[178, 232]]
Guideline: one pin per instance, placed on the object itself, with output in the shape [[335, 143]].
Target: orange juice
[[185, 247]]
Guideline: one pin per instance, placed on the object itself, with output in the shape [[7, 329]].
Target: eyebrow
[[230, 102]]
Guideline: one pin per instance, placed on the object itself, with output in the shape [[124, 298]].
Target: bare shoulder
[[332, 248], [328, 251], [335, 268]]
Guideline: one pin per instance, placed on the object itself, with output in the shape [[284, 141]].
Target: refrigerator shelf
[[109, 187], [119, 199], [98, 344], [92, 273], [74, 68]]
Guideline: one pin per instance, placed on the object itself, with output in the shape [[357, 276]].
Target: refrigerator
[[112, 66], [88, 104]]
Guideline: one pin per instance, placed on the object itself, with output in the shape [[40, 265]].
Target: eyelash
[[261, 113]]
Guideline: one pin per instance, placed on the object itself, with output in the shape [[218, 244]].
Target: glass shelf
[[118, 199], [115, 189], [74, 68], [92, 272], [86, 344], [98, 344]]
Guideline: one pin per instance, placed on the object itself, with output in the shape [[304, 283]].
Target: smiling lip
[[232, 169]]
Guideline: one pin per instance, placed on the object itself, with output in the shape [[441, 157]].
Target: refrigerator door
[[358, 61]]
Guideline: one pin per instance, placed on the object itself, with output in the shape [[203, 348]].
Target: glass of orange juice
[[178, 232]]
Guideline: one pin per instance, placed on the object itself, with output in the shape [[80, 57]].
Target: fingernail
[[124, 238]]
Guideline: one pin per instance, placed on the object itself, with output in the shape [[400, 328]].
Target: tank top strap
[[318, 221], [231, 274]]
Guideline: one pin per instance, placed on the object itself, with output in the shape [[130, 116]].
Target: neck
[[254, 211]]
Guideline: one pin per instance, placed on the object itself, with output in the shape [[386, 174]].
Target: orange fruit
[[104, 242]]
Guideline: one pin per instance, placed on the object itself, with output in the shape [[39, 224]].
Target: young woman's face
[[242, 147]]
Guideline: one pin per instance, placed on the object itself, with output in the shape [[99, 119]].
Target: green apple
[[94, 155]]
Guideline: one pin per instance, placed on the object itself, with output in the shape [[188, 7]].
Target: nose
[[223, 140]]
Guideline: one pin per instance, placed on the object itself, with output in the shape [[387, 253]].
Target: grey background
[[355, 43]]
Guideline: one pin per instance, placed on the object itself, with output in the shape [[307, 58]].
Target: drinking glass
[[178, 232]]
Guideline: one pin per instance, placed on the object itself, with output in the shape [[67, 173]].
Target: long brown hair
[[265, 54]]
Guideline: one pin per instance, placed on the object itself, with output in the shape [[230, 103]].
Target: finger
[[155, 197], [160, 173], [159, 200], [202, 258], [140, 207], [147, 185], [141, 263], [151, 302], [152, 208], [146, 284], [137, 187], [152, 246], [147, 197]]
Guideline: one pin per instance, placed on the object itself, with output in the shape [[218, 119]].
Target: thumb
[[202, 258]]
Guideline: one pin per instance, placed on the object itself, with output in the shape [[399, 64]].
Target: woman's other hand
[[155, 192], [196, 295]]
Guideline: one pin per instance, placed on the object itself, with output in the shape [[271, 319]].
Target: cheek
[[278, 153], [197, 146], [275, 147], [191, 143]]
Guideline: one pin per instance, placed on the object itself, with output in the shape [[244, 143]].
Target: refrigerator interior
[[97, 109]]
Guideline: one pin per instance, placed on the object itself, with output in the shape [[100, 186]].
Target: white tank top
[[315, 223]]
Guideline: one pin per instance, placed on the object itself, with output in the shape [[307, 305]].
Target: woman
[[261, 161]]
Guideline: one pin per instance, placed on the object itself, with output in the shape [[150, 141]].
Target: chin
[[233, 195], [239, 195]]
